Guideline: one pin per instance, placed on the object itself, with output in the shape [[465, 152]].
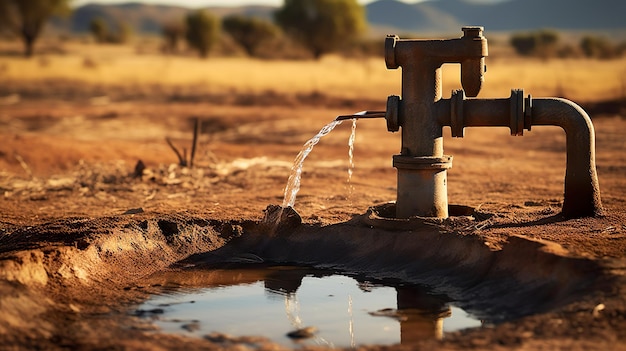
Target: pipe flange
[[528, 112], [424, 162], [390, 51], [391, 115], [517, 112], [456, 113]]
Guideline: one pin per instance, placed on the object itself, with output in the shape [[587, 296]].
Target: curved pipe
[[582, 190]]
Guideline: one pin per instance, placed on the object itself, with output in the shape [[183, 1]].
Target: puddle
[[345, 310]]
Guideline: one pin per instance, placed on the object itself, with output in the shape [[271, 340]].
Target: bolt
[[390, 51], [472, 32]]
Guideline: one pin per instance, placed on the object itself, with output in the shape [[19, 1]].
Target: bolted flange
[[391, 115], [424, 162], [456, 113]]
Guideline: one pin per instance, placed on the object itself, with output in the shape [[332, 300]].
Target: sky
[[203, 3]]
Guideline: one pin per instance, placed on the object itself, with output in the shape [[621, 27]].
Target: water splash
[[351, 156], [293, 183]]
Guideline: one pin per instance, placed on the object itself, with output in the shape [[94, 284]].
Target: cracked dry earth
[[85, 236]]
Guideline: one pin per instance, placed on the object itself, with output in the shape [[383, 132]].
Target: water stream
[[293, 183], [351, 156]]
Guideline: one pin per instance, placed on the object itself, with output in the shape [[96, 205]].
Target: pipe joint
[[457, 100], [461, 112], [391, 114], [422, 163], [520, 112]]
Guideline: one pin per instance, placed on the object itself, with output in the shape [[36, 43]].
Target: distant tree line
[[317, 26], [320, 26], [26, 18], [102, 33], [546, 43]]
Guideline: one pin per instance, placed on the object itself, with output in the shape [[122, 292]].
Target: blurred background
[[84, 83], [555, 47]]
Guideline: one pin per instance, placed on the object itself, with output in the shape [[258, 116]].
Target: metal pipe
[[421, 114], [362, 114], [582, 190], [421, 164]]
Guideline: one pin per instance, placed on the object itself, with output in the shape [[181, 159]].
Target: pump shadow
[[541, 221]]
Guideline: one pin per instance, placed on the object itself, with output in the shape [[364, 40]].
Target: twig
[[23, 164], [181, 161], [194, 143]]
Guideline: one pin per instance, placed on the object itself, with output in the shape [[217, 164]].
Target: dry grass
[[576, 79]]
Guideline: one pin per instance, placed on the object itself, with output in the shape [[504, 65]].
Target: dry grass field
[[365, 78]]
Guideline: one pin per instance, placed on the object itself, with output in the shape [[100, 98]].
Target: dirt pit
[[85, 236]]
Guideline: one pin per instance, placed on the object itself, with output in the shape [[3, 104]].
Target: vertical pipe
[[421, 88], [422, 189], [421, 164]]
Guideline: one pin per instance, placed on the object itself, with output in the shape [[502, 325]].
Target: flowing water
[[293, 183], [344, 310], [351, 156]]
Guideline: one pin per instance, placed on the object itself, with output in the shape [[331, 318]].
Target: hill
[[532, 14], [145, 18], [393, 15]]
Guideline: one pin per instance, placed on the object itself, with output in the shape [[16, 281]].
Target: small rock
[[219, 337], [191, 327], [280, 220], [153, 311], [139, 168], [302, 333], [133, 211], [596, 310]]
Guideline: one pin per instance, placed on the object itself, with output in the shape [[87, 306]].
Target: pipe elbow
[[562, 113], [582, 190]]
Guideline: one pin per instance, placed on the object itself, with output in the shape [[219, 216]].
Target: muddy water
[[341, 310]]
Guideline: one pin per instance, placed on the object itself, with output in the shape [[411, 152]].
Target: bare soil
[[83, 231]]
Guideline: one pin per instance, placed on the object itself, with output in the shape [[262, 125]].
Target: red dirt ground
[[65, 163]]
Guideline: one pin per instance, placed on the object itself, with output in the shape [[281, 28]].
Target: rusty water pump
[[421, 114]]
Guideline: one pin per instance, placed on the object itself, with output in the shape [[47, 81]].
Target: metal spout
[[362, 114]]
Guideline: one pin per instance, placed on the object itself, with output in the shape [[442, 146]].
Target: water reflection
[[347, 310]]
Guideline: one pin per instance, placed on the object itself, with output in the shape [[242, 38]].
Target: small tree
[[541, 43], [26, 18], [101, 33], [123, 33], [99, 30], [173, 32], [524, 44], [202, 31], [250, 33], [321, 25], [597, 47]]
